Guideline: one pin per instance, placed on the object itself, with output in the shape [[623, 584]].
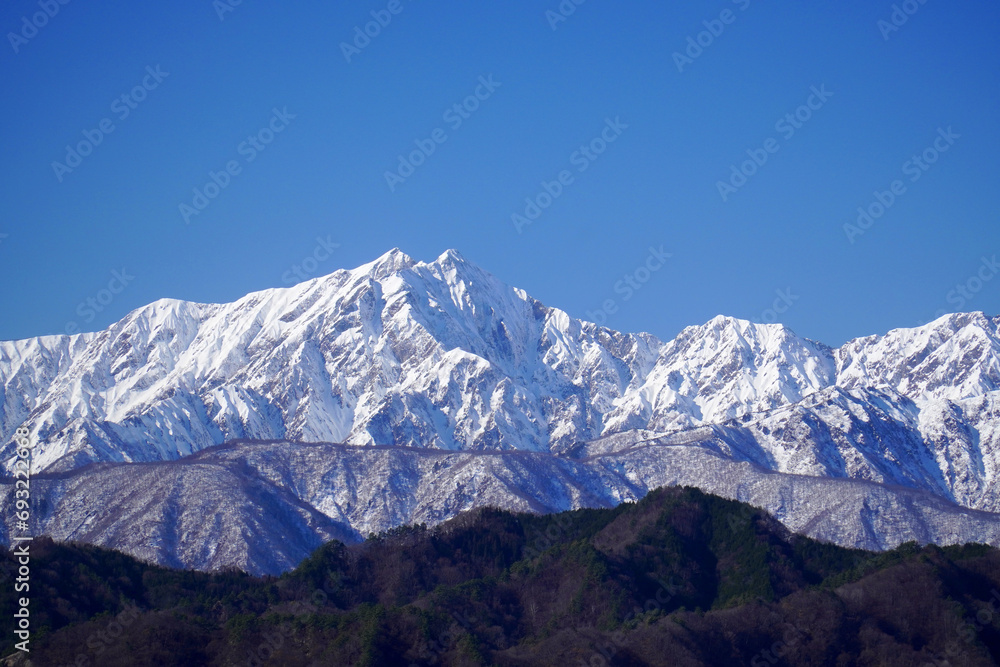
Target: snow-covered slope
[[442, 356], [723, 369], [954, 357]]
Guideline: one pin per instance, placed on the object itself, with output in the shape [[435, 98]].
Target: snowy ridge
[[263, 507]]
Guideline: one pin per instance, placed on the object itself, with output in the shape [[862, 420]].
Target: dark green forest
[[678, 578]]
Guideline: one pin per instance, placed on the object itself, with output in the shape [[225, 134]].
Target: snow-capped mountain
[[443, 356], [433, 354]]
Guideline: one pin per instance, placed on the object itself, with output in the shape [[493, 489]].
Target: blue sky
[[268, 91]]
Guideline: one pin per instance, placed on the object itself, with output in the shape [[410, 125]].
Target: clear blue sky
[[323, 175]]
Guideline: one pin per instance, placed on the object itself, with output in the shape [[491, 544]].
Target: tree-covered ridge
[[679, 578]]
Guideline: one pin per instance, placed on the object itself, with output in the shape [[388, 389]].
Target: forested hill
[[679, 578]]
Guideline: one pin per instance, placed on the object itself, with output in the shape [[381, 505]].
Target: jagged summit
[[725, 321], [451, 255], [388, 264]]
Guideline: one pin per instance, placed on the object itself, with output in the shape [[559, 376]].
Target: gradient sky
[[656, 185]]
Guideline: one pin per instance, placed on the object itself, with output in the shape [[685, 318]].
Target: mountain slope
[[262, 507]]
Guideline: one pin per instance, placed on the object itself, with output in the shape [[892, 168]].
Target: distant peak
[[960, 320], [725, 327], [727, 321], [720, 322]]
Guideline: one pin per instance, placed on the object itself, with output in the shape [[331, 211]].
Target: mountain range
[[246, 434]]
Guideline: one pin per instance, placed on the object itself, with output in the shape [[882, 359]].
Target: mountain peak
[[467, 281], [391, 262], [451, 255], [725, 326], [961, 320], [725, 321]]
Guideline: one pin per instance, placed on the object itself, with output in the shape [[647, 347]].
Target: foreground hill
[[678, 578]]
